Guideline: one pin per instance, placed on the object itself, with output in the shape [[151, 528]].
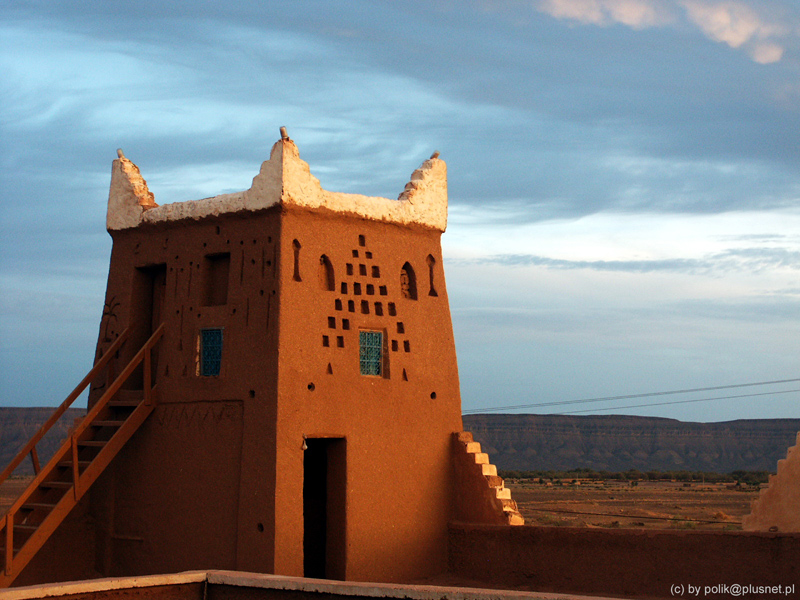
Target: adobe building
[[275, 390], [287, 356]]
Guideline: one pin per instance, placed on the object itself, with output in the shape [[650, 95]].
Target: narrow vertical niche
[[327, 280], [431, 266], [296, 249], [216, 271], [408, 282]]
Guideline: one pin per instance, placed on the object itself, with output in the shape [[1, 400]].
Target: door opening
[[147, 312], [324, 514]]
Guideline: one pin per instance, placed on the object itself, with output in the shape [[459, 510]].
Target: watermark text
[[735, 589]]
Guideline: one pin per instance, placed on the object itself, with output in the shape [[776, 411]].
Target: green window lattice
[[210, 352], [371, 352]]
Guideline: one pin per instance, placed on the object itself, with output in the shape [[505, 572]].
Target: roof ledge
[[283, 179]]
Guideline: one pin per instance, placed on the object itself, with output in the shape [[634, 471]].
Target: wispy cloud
[[634, 13], [752, 260], [732, 22], [737, 25]]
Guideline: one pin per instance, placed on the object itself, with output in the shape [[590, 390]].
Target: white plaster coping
[[279, 582], [283, 179]]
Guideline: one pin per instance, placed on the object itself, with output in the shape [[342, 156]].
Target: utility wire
[[627, 397], [570, 412]]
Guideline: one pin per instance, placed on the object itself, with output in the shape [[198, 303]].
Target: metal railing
[[80, 481], [30, 447]]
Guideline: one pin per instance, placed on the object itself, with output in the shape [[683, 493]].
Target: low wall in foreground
[[232, 585], [627, 563]]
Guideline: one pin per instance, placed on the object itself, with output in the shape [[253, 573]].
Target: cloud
[[753, 260], [634, 13], [736, 24], [731, 22]]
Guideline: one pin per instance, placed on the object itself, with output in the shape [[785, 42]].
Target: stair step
[[63, 485], [108, 423], [488, 470], [125, 394], [514, 518], [503, 493], [464, 436], [92, 443], [473, 447], [508, 504], [495, 481], [124, 403], [481, 458], [67, 464], [38, 505]]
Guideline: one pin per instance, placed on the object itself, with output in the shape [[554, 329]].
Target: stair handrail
[[7, 523], [30, 447]]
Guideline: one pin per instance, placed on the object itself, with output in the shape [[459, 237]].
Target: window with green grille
[[371, 352], [210, 352]]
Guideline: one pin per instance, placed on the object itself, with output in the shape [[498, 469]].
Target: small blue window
[[371, 352], [210, 352]]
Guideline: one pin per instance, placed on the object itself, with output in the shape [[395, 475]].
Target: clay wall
[[194, 488], [214, 478], [625, 563], [396, 427]]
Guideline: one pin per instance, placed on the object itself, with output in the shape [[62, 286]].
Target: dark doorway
[[324, 487], [147, 312]]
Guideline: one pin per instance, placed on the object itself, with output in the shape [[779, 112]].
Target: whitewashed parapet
[[283, 179]]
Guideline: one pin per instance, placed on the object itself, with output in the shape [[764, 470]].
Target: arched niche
[[408, 282], [327, 279]]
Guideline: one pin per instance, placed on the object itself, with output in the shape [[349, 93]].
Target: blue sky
[[624, 174]]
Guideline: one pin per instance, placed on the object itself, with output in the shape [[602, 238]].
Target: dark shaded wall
[[627, 563], [195, 486]]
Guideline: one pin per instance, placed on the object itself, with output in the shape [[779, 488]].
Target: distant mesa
[[618, 443]]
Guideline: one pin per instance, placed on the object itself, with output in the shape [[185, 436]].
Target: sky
[[624, 176]]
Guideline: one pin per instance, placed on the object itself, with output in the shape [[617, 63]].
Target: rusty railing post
[[75, 472], [9, 542], [35, 459]]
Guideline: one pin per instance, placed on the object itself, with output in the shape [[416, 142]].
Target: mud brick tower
[[275, 390], [306, 379]]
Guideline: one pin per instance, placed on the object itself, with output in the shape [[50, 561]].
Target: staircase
[[61, 484], [484, 498]]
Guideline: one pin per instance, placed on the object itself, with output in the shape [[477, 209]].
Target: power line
[[628, 397], [570, 412]]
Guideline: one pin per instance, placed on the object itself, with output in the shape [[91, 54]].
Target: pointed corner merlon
[[128, 195], [426, 193]]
